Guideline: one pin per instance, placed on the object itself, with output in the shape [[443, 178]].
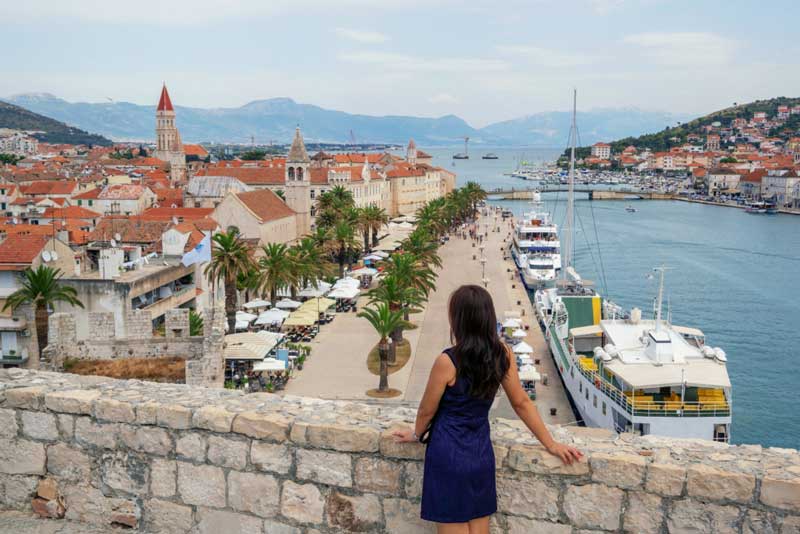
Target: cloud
[[442, 98], [546, 57], [683, 48], [362, 36], [417, 64], [603, 7]]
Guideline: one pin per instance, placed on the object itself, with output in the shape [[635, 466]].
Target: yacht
[[490, 155], [535, 247], [627, 373]]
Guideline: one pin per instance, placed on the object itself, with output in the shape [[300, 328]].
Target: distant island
[[45, 129]]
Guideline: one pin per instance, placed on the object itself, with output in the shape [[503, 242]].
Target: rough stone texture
[[8, 423], [174, 416], [17, 490], [538, 460], [521, 525], [791, 525], [216, 521], [213, 418], [784, 494], [690, 516], [124, 472], [114, 411], [325, 467], [22, 457], [162, 478], [271, 427], [192, 446], [271, 457], [167, 517], [527, 497], [707, 482], [227, 452], [301, 502], [665, 479], [39, 425], [402, 517], [343, 437], [147, 439], [68, 463], [756, 522], [274, 527], [87, 432], [620, 470], [413, 484], [77, 401], [378, 476], [253, 493], [203, 485], [593, 506], [644, 514], [353, 514]]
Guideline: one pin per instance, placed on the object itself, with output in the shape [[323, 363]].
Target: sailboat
[[465, 154], [624, 372]]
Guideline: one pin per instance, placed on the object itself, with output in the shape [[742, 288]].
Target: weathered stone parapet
[[175, 458], [176, 322]]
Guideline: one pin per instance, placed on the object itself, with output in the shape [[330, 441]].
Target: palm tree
[[310, 262], [384, 321], [195, 323], [411, 272], [345, 242], [431, 217], [230, 260], [364, 224], [421, 244], [378, 219], [277, 269], [401, 298], [41, 288]]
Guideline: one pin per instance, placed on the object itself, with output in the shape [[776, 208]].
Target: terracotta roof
[[251, 175], [91, 194], [17, 252], [265, 204], [122, 192], [48, 188], [70, 212], [195, 150], [166, 214], [422, 155], [164, 103], [26, 229], [130, 229]]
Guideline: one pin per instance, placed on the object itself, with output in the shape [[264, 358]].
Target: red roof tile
[[164, 103], [265, 204], [17, 252]]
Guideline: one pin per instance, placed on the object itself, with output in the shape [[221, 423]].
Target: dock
[[594, 193]]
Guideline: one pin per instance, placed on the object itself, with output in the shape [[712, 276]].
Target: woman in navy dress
[[458, 487]]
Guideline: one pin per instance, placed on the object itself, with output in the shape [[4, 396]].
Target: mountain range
[[47, 129], [274, 119]]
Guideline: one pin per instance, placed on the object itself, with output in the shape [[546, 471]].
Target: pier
[[593, 192]]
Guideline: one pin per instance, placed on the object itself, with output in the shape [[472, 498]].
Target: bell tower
[[169, 147], [298, 183]]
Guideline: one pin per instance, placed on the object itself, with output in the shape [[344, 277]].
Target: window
[[91, 202], [594, 401], [587, 393], [604, 407], [291, 173], [572, 371], [580, 387], [300, 173]]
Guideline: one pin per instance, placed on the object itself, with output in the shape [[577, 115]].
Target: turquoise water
[[732, 274]]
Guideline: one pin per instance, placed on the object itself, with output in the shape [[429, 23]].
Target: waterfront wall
[[175, 458]]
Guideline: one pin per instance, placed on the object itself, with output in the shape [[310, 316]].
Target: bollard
[[553, 411], [513, 286], [519, 303]]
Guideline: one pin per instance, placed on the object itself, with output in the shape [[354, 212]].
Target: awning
[[519, 333], [274, 315], [373, 257], [314, 305], [250, 345], [315, 291], [346, 282], [584, 331], [13, 324], [529, 372], [344, 293], [300, 318], [699, 373], [288, 304], [522, 348], [688, 331], [364, 271], [270, 364], [512, 323], [257, 303], [245, 317]]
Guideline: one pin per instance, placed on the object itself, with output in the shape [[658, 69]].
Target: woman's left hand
[[404, 435]]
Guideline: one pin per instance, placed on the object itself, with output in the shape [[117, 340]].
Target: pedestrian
[[459, 488]]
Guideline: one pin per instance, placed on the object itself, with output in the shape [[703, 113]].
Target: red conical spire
[[164, 103]]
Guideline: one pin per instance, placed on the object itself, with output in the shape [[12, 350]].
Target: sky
[[482, 60]]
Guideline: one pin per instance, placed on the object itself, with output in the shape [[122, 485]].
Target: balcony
[[176, 299]]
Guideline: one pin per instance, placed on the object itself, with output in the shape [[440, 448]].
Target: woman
[[458, 489]]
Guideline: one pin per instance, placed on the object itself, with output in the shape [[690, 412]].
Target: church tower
[[169, 147], [411, 153], [298, 183]]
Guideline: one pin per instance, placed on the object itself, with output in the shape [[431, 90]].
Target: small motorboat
[[490, 155], [630, 209]]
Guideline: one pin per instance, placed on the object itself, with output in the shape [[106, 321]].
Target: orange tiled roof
[[265, 204], [70, 212], [186, 214], [17, 252]]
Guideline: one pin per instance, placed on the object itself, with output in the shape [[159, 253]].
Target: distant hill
[[274, 119], [48, 130]]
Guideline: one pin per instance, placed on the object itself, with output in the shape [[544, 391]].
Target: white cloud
[[683, 48], [546, 57], [362, 36], [417, 64], [442, 98]]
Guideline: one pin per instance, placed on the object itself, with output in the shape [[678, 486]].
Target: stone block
[[620, 470], [407, 450], [271, 457], [644, 514], [218, 521], [47, 489], [203, 485], [87, 432], [324, 467], [521, 525], [228, 452], [402, 517], [274, 527], [88, 505], [78, 401], [162, 477], [302, 502], [114, 411], [706, 482], [535, 459], [174, 416], [151, 440], [269, 426], [413, 480], [783, 494], [29, 398], [529, 497], [8, 423], [593, 506], [167, 517], [688, 516], [758, 522], [68, 463], [39, 425], [378, 476], [66, 426], [21, 457], [192, 445], [665, 479], [254, 493], [213, 418], [124, 472], [353, 513], [16, 491], [297, 433], [346, 438], [790, 525], [147, 413]]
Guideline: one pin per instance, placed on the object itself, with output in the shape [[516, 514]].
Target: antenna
[[570, 218], [661, 270], [113, 243]]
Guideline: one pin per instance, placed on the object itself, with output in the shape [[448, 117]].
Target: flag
[[199, 254]]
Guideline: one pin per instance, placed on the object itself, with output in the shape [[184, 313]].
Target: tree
[[377, 219], [252, 155], [281, 194], [11, 159], [230, 260], [423, 246], [364, 224], [411, 272], [384, 321], [277, 269], [400, 297], [40, 287], [345, 243], [195, 323], [310, 263]]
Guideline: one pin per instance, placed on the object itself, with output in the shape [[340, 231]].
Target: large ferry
[[627, 373], [535, 247]]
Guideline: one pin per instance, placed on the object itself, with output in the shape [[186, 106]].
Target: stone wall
[[174, 458]]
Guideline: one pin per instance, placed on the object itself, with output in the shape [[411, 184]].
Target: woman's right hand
[[567, 454]]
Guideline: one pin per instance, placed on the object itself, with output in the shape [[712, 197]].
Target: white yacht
[[630, 374], [535, 247]]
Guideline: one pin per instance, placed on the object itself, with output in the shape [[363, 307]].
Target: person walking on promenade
[[458, 487]]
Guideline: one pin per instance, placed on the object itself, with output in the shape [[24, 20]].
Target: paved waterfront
[[337, 367]]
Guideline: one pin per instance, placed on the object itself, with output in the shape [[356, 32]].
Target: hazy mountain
[[47, 129], [276, 118]]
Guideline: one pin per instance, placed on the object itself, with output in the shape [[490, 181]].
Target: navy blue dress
[[459, 480]]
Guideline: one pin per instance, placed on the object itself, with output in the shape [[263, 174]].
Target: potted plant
[[300, 360], [13, 354]]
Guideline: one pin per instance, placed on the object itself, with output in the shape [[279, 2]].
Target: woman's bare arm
[[526, 410], [443, 373]]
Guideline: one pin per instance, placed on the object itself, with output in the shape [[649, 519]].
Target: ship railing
[[653, 408]]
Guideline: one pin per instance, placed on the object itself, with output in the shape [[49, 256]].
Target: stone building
[[260, 216], [169, 147], [298, 183]]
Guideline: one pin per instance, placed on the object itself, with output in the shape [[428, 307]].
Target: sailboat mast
[[569, 231]]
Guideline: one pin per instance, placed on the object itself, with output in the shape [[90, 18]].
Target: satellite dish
[[46, 256], [54, 255], [174, 205], [113, 243], [117, 236], [175, 220], [155, 205]]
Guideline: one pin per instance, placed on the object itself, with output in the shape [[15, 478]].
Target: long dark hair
[[479, 354]]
